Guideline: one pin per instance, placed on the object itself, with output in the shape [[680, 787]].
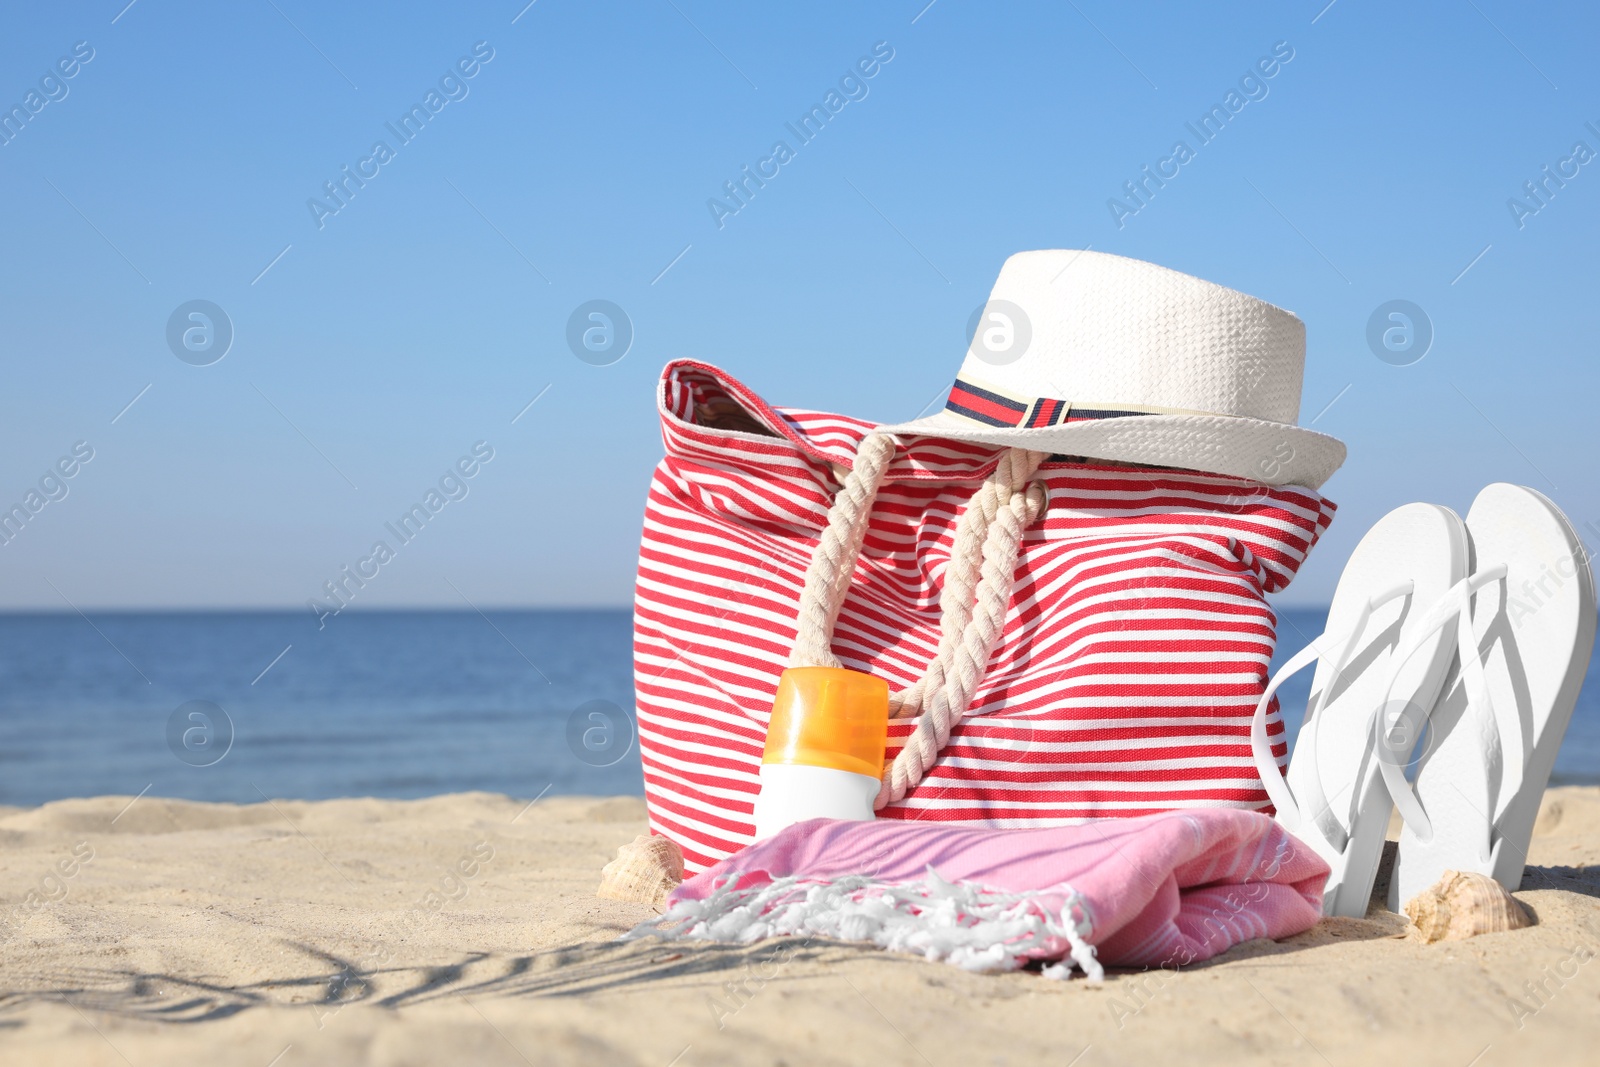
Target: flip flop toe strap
[[1455, 607], [1291, 810]]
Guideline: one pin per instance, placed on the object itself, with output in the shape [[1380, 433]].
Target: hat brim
[[1273, 453]]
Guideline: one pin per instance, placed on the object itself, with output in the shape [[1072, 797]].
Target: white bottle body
[[792, 792]]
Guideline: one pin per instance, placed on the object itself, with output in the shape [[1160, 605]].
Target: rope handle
[[972, 605]]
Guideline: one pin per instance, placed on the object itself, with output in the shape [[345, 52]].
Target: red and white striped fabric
[[1134, 651]]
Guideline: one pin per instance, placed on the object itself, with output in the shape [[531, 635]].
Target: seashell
[[1464, 905], [645, 871]]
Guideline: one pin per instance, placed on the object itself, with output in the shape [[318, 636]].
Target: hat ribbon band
[[989, 406]]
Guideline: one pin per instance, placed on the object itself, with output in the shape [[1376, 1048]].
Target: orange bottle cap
[[829, 717]]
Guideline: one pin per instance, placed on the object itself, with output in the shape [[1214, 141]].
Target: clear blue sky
[[431, 308]]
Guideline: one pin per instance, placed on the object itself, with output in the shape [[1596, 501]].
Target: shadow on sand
[[575, 970]]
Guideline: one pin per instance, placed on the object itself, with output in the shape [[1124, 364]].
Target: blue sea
[[241, 706]]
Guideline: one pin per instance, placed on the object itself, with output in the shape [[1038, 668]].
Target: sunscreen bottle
[[824, 753]]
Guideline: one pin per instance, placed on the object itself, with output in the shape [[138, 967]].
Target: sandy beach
[[465, 929]]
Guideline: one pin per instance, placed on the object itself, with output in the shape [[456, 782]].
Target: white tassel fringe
[[971, 926]]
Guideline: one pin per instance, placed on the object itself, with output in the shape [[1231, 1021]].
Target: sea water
[[241, 706]]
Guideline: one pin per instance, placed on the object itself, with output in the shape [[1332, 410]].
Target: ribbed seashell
[[645, 871], [1464, 905]]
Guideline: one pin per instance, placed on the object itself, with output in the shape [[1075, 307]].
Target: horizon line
[[237, 609], [386, 610]]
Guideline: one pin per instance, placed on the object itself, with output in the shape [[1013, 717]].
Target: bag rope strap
[[972, 605]]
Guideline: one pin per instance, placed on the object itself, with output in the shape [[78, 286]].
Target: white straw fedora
[[1094, 355]]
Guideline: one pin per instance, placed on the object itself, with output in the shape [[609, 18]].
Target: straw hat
[[1094, 355]]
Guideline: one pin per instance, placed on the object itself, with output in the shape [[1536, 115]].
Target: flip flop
[[1523, 623], [1333, 798]]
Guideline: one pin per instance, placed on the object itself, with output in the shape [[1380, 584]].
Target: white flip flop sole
[[1494, 734], [1333, 798]]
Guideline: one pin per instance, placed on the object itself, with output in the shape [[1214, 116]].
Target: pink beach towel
[[1157, 891]]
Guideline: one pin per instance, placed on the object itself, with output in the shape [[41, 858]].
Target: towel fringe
[[965, 924]]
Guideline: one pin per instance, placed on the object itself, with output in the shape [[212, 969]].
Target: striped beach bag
[[1066, 639]]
